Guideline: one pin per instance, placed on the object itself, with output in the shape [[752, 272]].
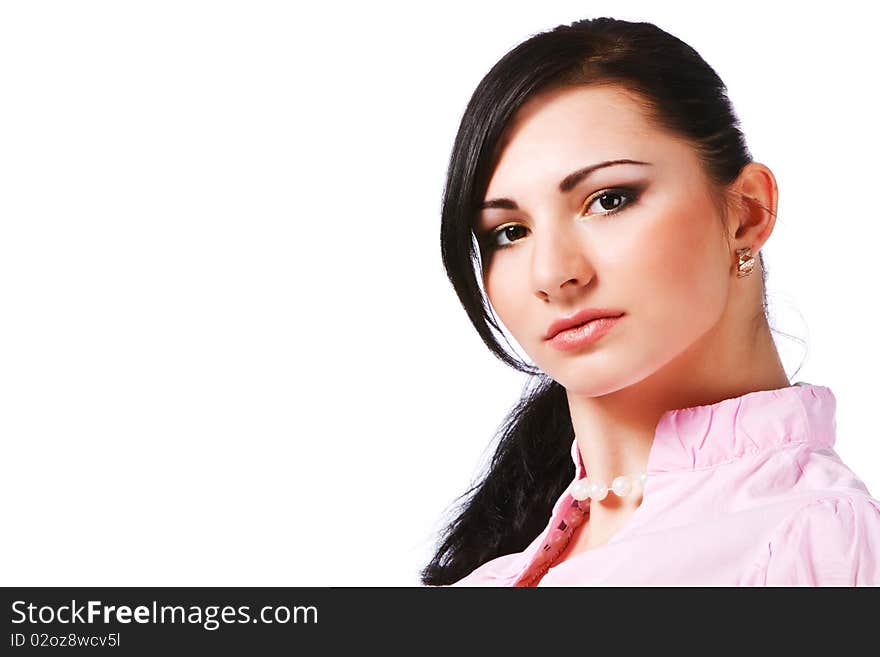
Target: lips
[[578, 319]]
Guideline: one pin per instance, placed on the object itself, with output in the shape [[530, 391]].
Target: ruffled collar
[[704, 436]]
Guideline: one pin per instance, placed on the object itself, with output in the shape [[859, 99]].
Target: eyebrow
[[566, 185]]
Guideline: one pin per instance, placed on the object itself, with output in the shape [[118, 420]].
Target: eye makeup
[[488, 239]]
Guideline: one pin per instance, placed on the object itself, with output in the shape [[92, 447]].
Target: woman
[[600, 184]]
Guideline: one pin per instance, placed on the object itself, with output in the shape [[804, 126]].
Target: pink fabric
[[744, 492]]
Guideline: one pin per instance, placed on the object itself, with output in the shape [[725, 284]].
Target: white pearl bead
[[621, 486], [598, 490], [643, 477], [580, 490]]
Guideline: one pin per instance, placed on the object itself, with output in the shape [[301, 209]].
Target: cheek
[[683, 273], [507, 292]]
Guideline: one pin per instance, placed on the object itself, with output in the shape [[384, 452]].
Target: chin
[[587, 381]]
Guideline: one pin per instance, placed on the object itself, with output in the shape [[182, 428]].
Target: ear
[[754, 213]]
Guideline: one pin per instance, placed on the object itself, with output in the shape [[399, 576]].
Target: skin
[[692, 334]]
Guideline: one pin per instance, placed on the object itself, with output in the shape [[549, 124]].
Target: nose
[[561, 266]]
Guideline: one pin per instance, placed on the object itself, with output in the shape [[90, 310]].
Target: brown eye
[[609, 200], [605, 200], [509, 232]]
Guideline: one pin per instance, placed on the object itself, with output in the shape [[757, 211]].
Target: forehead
[[558, 131]]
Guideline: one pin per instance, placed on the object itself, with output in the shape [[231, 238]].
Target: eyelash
[[630, 193]]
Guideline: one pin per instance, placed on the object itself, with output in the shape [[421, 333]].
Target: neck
[[615, 431]]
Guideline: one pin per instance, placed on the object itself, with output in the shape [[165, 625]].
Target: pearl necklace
[[622, 486]]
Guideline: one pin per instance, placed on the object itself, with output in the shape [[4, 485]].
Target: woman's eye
[[510, 232], [608, 200]]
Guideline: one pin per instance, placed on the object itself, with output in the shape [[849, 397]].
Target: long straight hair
[[680, 93]]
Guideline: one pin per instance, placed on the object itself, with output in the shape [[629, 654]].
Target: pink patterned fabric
[[744, 492]]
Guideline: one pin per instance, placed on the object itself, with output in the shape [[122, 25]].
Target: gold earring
[[746, 262]]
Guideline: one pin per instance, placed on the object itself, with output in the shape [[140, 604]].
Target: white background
[[229, 354]]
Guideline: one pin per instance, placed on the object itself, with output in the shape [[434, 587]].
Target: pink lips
[[579, 318], [584, 334]]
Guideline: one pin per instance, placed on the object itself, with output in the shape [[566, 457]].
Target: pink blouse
[[744, 492]]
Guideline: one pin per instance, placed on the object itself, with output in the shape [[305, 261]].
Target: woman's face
[[641, 239]]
